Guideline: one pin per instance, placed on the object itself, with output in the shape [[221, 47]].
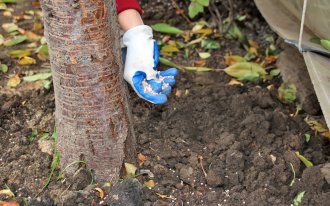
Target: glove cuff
[[137, 33]]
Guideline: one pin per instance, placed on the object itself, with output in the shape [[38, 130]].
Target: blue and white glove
[[140, 66]]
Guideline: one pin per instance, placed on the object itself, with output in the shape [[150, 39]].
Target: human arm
[[142, 59]]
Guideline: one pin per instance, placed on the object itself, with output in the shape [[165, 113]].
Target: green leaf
[[43, 49], [15, 40], [298, 198], [40, 76], [194, 9], [20, 53], [166, 28], [7, 1], [210, 44], [306, 162], [246, 71], [3, 6], [169, 63], [294, 175], [235, 33], [325, 44], [204, 2], [198, 69], [204, 55], [10, 27], [34, 133], [3, 68], [44, 135], [287, 93], [275, 72], [240, 17], [307, 137], [47, 84]]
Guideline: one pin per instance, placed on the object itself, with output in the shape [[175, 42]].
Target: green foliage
[[36, 77], [3, 68], [287, 93], [298, 198], [196, 7], [325, 44], [7, 1], [306, 162], [166, 28], [275, 72], [246, 71], [210, 44], [307, 137], [198, 69], [16, 40]]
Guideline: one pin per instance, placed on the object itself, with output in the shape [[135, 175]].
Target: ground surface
[[212, 144]]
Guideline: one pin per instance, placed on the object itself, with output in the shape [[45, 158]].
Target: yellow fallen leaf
[[37, 26], [165, 196], [235, 82], [169, 49], [253, 50], [7, 192], [149, 184], [20, 53], [100, 191], [130, 169], [253, 43], [26, 60], [14, 81], [203, 31], [32, 36]]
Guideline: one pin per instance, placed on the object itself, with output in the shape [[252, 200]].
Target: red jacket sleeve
[[123, 5]]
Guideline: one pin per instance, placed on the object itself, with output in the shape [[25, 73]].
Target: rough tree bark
[[92, 114]]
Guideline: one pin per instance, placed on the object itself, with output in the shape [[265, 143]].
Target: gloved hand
[[140, 66]]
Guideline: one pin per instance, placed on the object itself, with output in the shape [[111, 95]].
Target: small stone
[[214, 179], [186, 175], [46, 146], [325, 170]]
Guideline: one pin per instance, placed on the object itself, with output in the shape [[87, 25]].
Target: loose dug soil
[[211, 144]]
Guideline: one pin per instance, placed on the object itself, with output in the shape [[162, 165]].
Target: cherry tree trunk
[[92, 114]]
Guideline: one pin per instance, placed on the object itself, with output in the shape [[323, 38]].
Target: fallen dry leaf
[[178, 93], [165, 196], [235, 82], [270, 59], [37, 26], [230, 60], [100, 191], [199, 63], [326, 134], [11, 203], [7, 14], [141, 159], [32, 36], [253, 50], [14, 81]]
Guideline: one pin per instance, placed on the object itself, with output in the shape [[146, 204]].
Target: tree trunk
[[92, 114]]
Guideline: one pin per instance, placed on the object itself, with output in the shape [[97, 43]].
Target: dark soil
[[212, 144]]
